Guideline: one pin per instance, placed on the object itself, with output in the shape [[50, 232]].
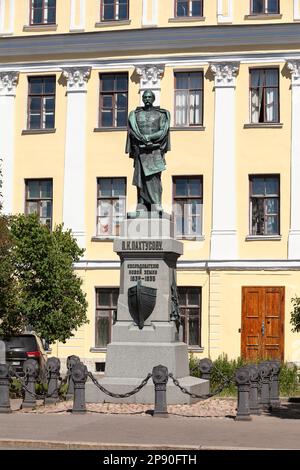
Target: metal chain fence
[[119, 395], [38, 396]]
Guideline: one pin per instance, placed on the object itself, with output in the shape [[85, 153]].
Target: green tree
[[51, 300], [10, 320], [295, 314]]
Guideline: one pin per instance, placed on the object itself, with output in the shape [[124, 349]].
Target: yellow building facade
[[229, 73]]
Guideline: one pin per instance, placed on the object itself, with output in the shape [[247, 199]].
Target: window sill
[[79, 30], [195, 349], [263, 16], [110, 129], [40, 27], [264, 125], [98, 350], [103, 24], [103, 239], [38, 131], [266, 238], [187, 128], [186, 19], [201, 238]]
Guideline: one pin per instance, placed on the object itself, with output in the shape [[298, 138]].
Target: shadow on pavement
[[288, 410]]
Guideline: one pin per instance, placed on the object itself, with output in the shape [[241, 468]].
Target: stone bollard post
[[31, 370], [274, 386], [71, 361], [4, 389], [160, 377], [253, 393], [264, 372], [52, 374], [79, 377], [205, 366], [242, 380]]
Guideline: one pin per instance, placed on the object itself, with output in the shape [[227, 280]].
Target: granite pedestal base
[[148, 254]]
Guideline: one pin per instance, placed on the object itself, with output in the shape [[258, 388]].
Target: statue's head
[[148, 97]]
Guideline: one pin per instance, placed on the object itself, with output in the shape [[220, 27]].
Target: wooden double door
[[262, 332]]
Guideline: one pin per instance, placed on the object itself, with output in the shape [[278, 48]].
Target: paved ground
[[94, 430]]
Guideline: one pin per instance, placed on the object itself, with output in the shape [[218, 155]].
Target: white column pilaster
[[225, 11], [294, 233], [150, 77], [4, 5], [8, 84], [2, 16], [75, 150], [224, 224], [296, 9], [11, 17], [77, 6], [150, 6]]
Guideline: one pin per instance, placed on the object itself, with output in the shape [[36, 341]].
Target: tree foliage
[[10, 320], [295, 314], [48, 295]]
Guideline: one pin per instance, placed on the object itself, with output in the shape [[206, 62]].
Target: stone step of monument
[[146, 395]]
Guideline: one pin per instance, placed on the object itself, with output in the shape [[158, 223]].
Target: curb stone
[[58, 445]]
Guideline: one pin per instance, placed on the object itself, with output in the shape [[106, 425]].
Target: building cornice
[[158, 40], [206, 265]]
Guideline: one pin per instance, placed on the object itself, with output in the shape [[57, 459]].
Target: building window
[[188, 99], [39, 199], [111, 206], [114, 10], [190, 313], [264, 95], [189, 8], [42, 12], [264, 205], [106, 311], [264, 7], [41, 103], [113, 99], [188, 203]]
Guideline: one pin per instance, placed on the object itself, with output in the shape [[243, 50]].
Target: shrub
[[224, 369], [289, 382], [15, 388]]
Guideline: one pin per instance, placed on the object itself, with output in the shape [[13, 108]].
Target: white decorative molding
[[150, 77], [77, 78], [224, 244], [225, 15], [8, 83], [74, 6], [152, 20], [294, 233], [225, 72], [294, 68], [206, 265], [296, 9], [75, 153], [150, 74]]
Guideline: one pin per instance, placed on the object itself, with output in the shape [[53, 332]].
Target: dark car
[[18, 348]]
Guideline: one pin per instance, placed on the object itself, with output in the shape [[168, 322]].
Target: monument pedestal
[[145, 333]]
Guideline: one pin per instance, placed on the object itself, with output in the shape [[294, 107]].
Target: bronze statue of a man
[[147, 142]]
